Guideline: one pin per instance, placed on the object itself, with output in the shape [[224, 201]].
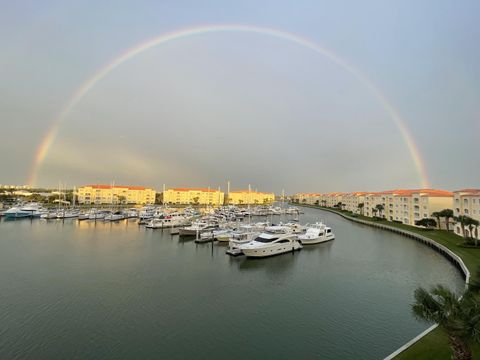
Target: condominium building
[[406, 206], [239, 197], [193, 196], [306, 198], [467, 202], [118, 194]]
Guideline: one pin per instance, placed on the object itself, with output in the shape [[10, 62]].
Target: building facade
[[193, 196], [405, 206], [107, 194], [244, 197], [467, 202]]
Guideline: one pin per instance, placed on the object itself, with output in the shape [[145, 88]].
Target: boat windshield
[[265, 240]]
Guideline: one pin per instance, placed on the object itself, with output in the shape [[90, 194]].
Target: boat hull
[[276, 249], [318, 240]]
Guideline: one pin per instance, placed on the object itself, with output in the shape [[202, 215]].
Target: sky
[[239, 106]]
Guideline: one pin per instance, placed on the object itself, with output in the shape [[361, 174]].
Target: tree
[[122, 199], [458, 317], [317, 202], [426, 222], [437, 215], [374, 211], [379, 208], [472, 226], [324, 203], [447, 214], [463, 220], [195, 200], [360, 207]]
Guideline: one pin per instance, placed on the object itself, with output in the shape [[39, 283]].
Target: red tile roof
[[115, 187], [194, 189]]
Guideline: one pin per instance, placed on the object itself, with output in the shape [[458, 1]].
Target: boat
[[115, 216], [16, 213], [237, 239], [29, 210], [274, 241], [197, 227], [67, 214], [316, 233], [167, 222]]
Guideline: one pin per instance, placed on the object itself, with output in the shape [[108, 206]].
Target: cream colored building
[[405, 206], [467, 202], [193, 196], [107, 194], [240, 197]]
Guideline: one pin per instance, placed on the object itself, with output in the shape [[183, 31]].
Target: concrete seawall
[[450, 255]]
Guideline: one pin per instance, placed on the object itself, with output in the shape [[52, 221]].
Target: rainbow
[[49, 137]]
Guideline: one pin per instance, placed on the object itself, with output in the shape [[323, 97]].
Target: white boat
[[98, 215], [316, 233], [271, 242], [220, 234], [116, 216], [67, 214], [16, 213], [167, 222], [49, 215], [237, 239], [197, 228], [29, 210]]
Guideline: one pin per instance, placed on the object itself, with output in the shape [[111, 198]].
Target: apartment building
[[193, 196], [118, 194], [467, 202], [405, 206], [239, 197]]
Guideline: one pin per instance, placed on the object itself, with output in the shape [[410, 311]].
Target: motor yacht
[[316, 233], [197, 227], [168, 221], [274, 240]]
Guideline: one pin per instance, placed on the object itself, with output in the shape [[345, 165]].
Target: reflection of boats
[[316, 233], [274, 241]]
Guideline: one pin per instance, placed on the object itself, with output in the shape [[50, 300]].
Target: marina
[[158, 289]]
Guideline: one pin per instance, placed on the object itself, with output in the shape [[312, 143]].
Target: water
[[80, 290]]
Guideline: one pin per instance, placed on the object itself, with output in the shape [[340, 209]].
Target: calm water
[[72, 290]]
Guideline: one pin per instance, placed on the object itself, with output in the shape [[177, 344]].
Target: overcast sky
[[244, 107]]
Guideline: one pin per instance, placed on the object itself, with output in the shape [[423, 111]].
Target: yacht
[[197, 228], [116, 216], [316, 233], [237, 239], [16, 213], [29, 210], [168, 221], [274, 241], [67, 214]]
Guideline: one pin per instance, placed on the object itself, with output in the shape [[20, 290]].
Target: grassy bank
[[435, 344]]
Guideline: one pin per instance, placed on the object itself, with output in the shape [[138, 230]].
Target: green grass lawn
[[435, 344]]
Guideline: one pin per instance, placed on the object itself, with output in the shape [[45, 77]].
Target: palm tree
[[374, 211], [380, 208], [360, 207], [462, 219], [427, 222], [442, 306], [437, 215], [472, 225], [447, 214]]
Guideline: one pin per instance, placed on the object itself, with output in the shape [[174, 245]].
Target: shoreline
[[455, 259]]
